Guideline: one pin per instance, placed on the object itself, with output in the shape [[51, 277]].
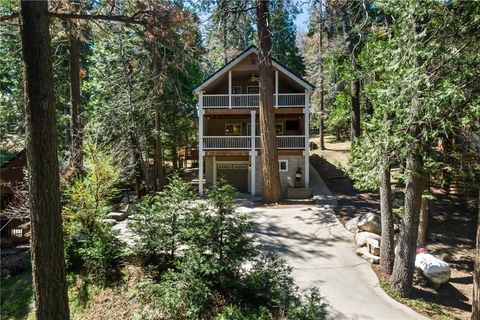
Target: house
[[229, 142], [13, 162]]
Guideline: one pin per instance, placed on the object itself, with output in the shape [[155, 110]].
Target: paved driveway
[[322, 254]]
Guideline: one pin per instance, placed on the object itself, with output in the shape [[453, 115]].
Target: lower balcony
[[244, 142]]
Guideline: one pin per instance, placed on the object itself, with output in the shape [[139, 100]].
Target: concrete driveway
[[322, 254]]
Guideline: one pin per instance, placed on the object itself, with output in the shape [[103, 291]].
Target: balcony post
[[200, 143], [230, 89], [307, 138], [276, 88], [253, 152]]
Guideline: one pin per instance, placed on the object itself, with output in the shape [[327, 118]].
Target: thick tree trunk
[[387, 245], [402, 276], [338, 134], [271, 175], [476, 272], [48, 264], [76, 129], [321, 121], [424, 214]]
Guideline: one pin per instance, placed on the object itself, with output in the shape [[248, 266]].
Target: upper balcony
[[281, 100]]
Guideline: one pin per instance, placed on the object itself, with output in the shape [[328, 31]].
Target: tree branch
[[124, 19], [9, 16]]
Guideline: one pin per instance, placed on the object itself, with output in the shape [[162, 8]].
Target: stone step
[[118, 215]]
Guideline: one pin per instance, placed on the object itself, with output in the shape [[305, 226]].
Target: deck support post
[[230, 89], [307, 140], [276, 88], [253, 153], [200, 143]]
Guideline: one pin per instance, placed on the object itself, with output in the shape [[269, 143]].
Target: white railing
[[215, 100], [291, 100], [244, 142], [291, 142], [284, 100], [245, 100], [226, 142]]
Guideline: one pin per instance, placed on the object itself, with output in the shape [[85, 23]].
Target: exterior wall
[[286, 178], [209, 170]]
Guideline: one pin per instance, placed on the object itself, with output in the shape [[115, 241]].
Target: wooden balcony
[[281, 100], [244, 142]]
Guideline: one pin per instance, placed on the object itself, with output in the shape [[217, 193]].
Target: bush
[[89, 243], [160, 219], [233, 312]]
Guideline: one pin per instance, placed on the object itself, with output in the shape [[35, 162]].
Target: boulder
[[118, 215], [363, 253], [370, 222], [362, 237], [435, 270], [373, 246], [351, 225]]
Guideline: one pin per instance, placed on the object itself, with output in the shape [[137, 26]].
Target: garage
[[235, 174]]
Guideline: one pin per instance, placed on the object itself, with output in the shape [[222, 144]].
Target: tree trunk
[[271, 175], [322, 95], [387, 245], [76, 129], [424, 214], [48, 264], [159, 173], [402, 276], [338, 133], [355, 83], [476, 272], [355, 92]]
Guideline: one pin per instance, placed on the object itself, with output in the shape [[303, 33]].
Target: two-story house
[[229, 142]]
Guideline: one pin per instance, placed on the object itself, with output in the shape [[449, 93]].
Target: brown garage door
[[235, 173]]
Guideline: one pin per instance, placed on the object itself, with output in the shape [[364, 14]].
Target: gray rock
[[373, 246], [370, 222], [363, 253], [118, 215], [435, 270], [362, 237], [351, 225]]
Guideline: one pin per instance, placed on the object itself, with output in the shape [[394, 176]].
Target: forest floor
[[451, 232]]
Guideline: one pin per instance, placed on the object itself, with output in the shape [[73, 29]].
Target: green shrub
[[159, 221], [313, 309], [101, 253], [233, 312], [179, 295], [89, 243]]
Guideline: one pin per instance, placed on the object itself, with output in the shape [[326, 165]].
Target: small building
[[229, 142], [12, 165]]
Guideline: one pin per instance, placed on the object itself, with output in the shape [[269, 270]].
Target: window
[[279, 128], [292, 125], [283, 165], [253, 90], [257, 129], [237, 89], [234, 129]]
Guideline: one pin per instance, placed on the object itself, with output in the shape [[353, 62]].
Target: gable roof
[[239, 58]]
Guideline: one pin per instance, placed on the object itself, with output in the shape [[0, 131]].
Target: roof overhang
[[252, 49]]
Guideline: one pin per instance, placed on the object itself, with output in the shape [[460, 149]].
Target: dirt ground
[[451, 230]]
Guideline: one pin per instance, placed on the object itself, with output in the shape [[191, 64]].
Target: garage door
[[236, 174]]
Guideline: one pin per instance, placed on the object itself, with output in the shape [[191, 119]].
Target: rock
[[362, 237], [370, 222], [128, 208], [118, 215], [435, 270], [373, 246], [363, 253], [110, 222], [351, 225]]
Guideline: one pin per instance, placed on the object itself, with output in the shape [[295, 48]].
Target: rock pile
[[367, 229]]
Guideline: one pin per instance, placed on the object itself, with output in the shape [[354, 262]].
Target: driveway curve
[[322, 254]]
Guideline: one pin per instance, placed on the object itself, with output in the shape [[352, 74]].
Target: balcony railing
[[244, 142], [284, 100]]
